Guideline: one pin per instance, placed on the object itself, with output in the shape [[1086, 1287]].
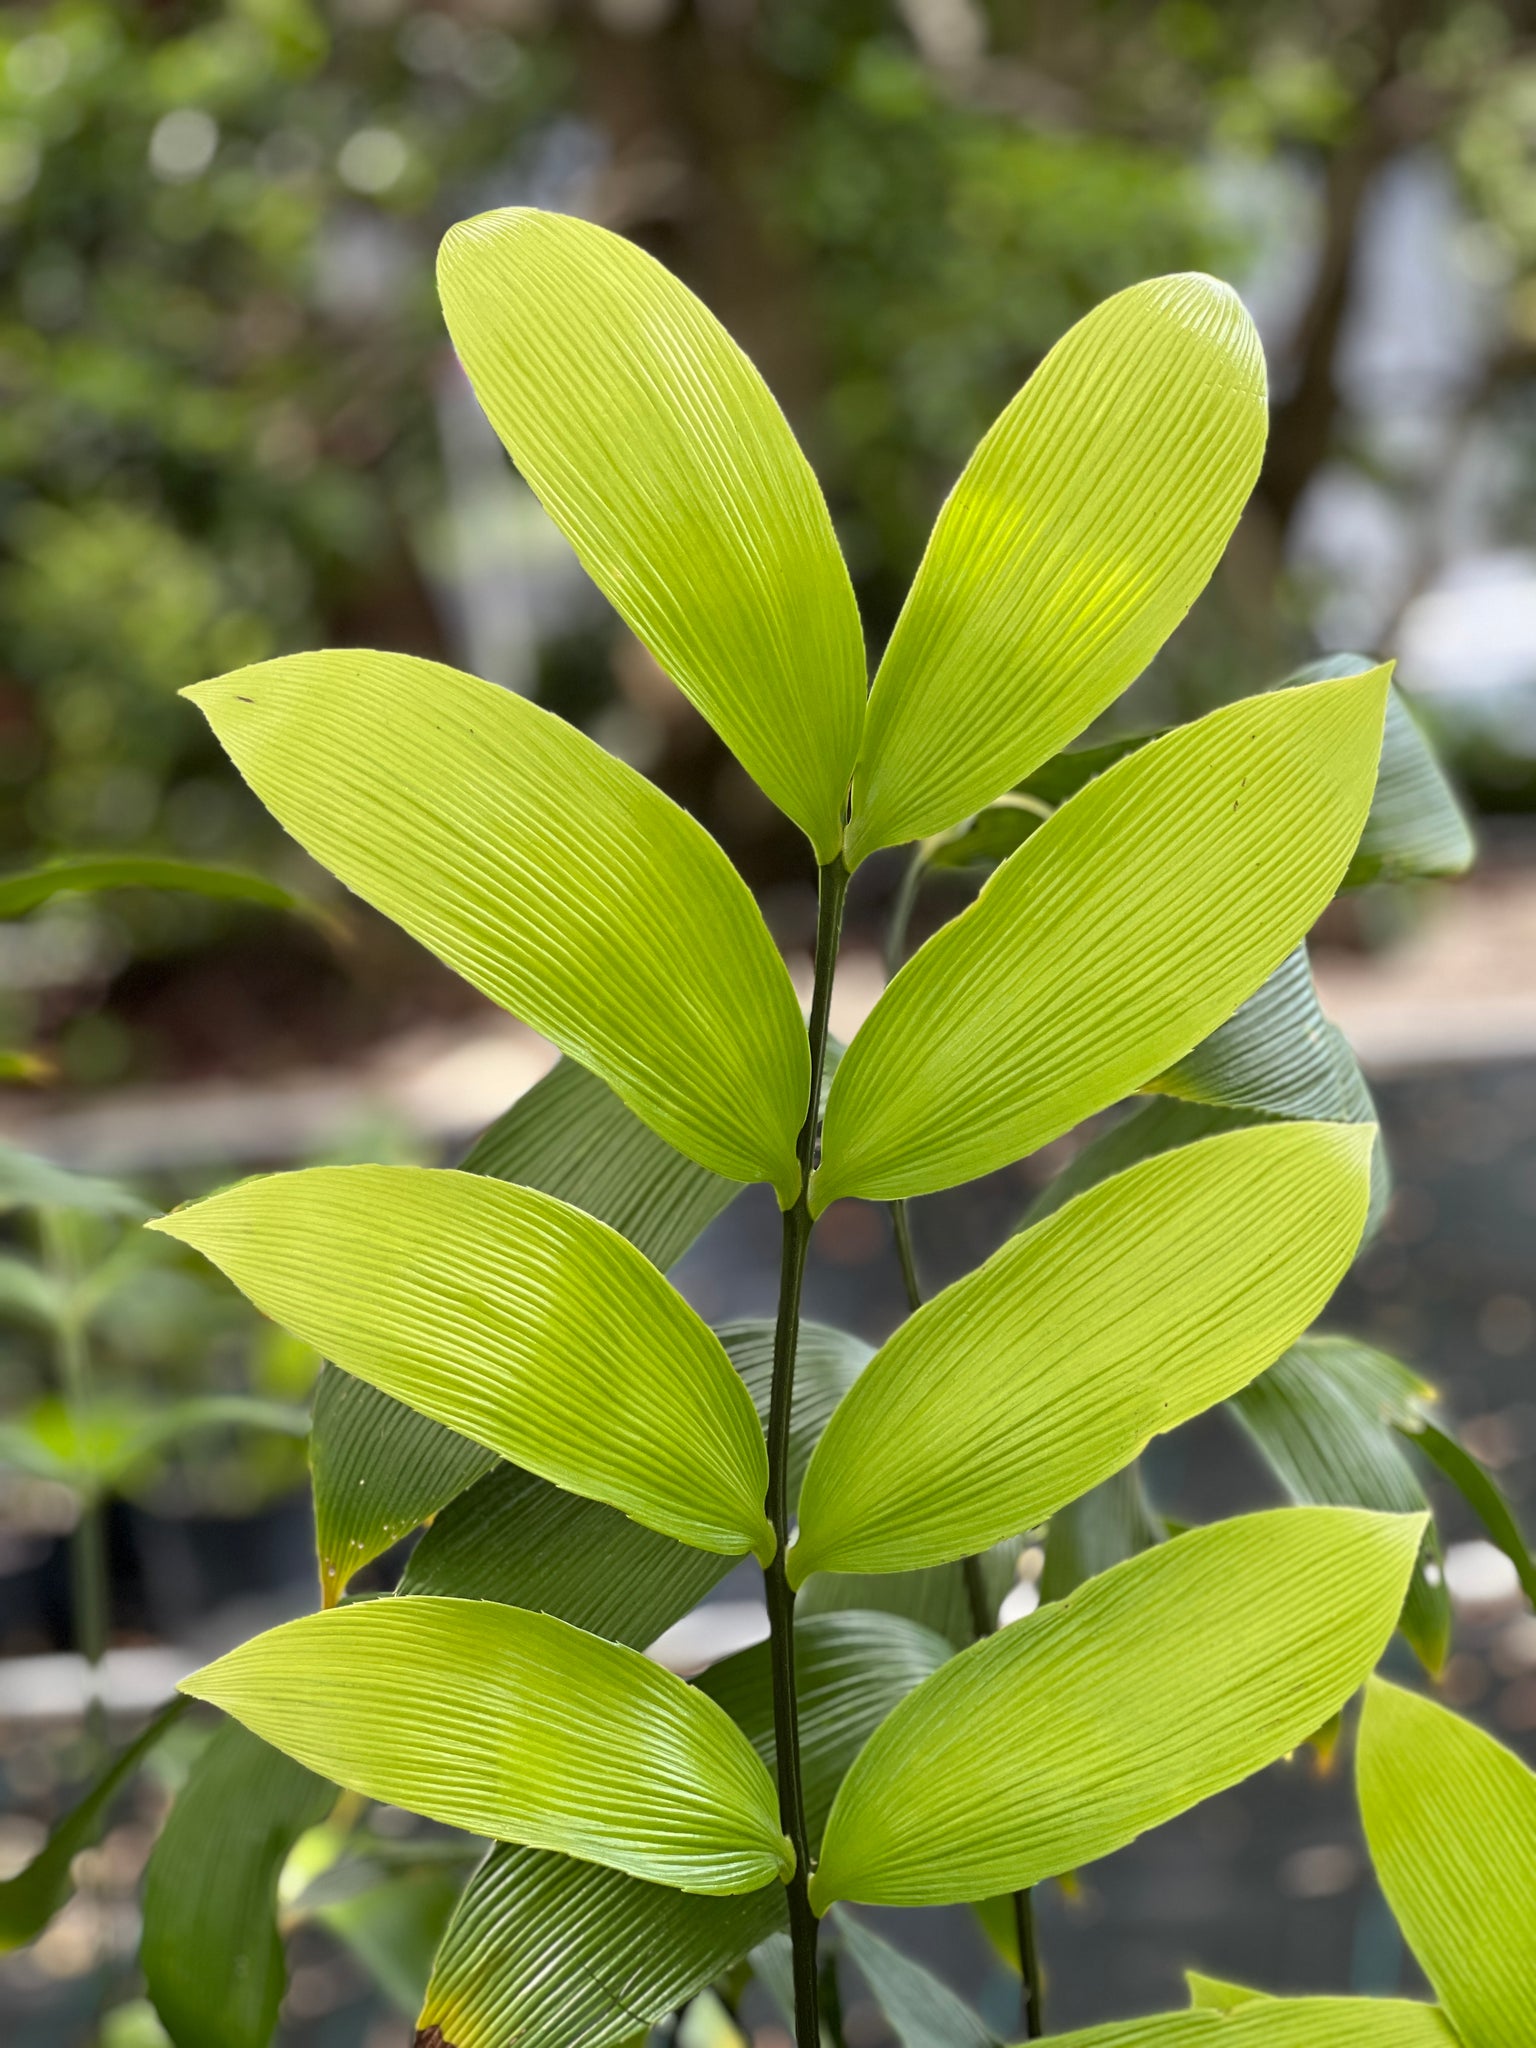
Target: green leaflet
[[211, 1952], [545, 1951], [1416, 829], [29, 1900], [476, 1302], [1147, 908], [1084, 527], [1279, 2023], [1450, 1816], [1102, 1529], [1480, 1493], [1325, 1418], [923, 2012], [1277, 1054], [553, 877], [1144, 1692], [1143, 1302], [379, 1467], [657, 449], [91, 874], [515, 1725], [517, 1539], [1213, 1994]]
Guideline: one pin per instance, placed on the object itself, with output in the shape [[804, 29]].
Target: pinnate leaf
[[1147, 909], [1137, 1306], [553, 877], [1145, 1691], [512, 1724], [657, 449], [1450, 1815], [1083, 528], [477, 1302]]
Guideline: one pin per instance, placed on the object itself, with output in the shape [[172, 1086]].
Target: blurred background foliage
[[229, 425]]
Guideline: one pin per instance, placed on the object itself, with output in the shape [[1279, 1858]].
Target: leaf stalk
[[831, 893]]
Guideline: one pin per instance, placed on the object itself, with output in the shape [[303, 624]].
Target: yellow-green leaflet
[[1279, 2023], [658, 450], [515, 1320], [550, 875], [1116, 937], [1139, 1304], [1450, 1815], [514, 1725], [1084, 527], [1142, 1693]]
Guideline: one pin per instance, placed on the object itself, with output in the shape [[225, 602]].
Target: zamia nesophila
[[509, 1363]]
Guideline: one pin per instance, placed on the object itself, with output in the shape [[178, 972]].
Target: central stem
[[983, 1623], [833, 887]]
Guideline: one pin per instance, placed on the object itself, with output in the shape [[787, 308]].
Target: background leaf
[[211, 1952], [476, 1302], [1450, 1815], [1324, 1418], [935, 1598], [657, 449], [483, 825], [1144, 1692], [1195, 865], [1481, 1494], [29, 1900], [1145, 1301], [1102, 1529], [379, 1468], [515, 1725], [923, 2012], [1083, 528], [91, 874], [27, 1182]]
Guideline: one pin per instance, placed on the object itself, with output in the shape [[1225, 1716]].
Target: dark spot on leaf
[[432, 2037], [251, 700]]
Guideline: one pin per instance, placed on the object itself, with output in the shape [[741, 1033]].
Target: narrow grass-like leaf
[[1479, 1490], [1143, 1692], [1325, 1418], [1139, 1305], [553, 877], [93, 874], [1450, 1816], [514, 1725], [657, 449], [1102, 1529], [1147, 909], [380, 1468], [922, 2010], [29, 1900], [476, 1302], [1279, 2023], [545, 1951], [211, 1952], [1083, 528]]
